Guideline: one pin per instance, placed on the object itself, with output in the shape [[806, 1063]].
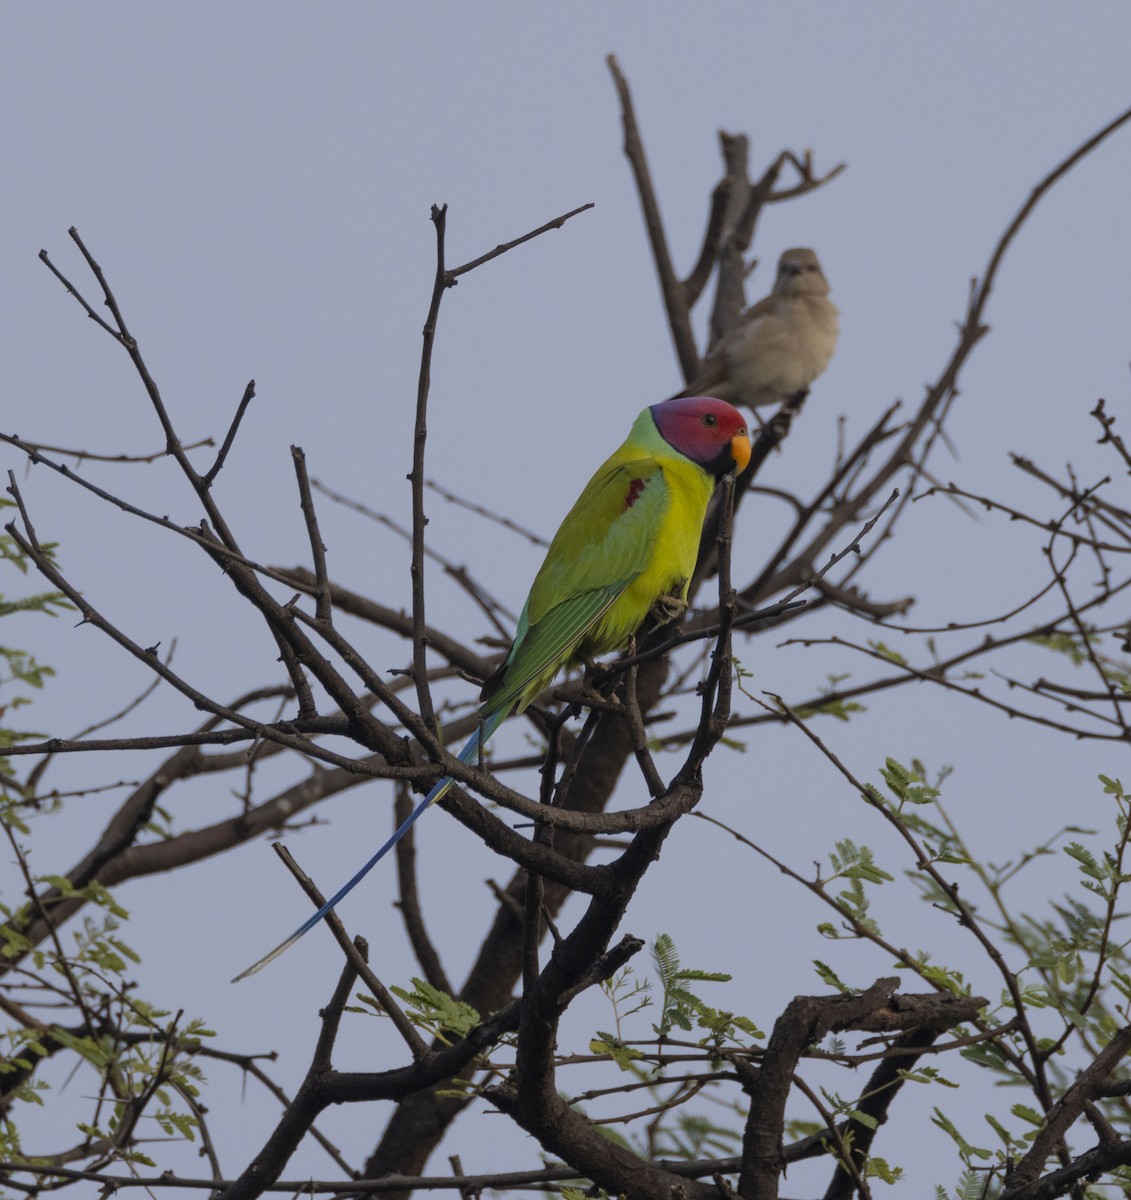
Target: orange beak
[[740, 450]]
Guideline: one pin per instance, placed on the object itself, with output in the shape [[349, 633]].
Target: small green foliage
[[833, 705], [857, 866], [1121, 980], [1103, 877], [878, 1168], [965, 1149], [606, 1043], [575, 1193], [991, 1055], [681, 1008], [842, 710], [173, 1122], [972, 1185], [96, 943], [1024, 1113], [908, 784], [945, 977], [850, 861], [10, 552], [615, 1136], [885, 651], [694, 1137], [160, 824], [678, 1003], [95, 893], [1011, 1147], [927, 1075], [42, 602], [628, 996], [433, 1010], [1067, 644], [733, 743], [873, 795], [829, 976], [1035, 995], [17, 667], [796, 1129]]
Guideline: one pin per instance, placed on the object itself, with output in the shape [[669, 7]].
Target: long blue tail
[[468, 754]]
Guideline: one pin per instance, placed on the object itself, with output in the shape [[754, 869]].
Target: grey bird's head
[[800, 274]]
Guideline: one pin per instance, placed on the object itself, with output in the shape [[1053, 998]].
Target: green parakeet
[[630, 541]]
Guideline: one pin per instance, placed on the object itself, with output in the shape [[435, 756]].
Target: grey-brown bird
[[779, 345]]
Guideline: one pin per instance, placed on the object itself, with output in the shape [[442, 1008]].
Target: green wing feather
[[547, 647], [605, 542]]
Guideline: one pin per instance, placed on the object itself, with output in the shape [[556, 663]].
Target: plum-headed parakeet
[[628, 544]]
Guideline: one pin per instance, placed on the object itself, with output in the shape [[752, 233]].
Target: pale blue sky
[[256, 181]]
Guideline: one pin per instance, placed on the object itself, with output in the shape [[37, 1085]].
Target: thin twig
[[556, 223], [230, 437], [91, 456], [323, 610]]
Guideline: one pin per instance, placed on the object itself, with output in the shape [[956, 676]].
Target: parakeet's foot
[[595, 674], [598, 696], [668, 608], [600, 679]]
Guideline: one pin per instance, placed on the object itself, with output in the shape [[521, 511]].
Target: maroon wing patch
[[633, 494]]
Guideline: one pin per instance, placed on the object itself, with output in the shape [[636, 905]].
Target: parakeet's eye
[[710, 419]]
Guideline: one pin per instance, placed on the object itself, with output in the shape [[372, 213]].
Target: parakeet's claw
[[594, 678], [600, 680], [668, 608], [592, 696]]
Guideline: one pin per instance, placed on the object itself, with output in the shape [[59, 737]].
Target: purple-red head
[[710, 432]]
